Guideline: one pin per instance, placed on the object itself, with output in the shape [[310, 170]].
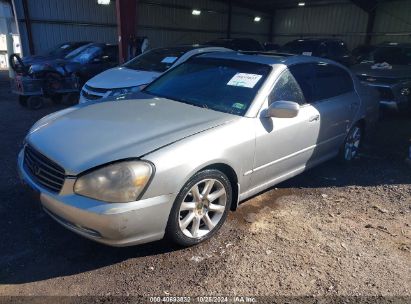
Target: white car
[[135, 74]]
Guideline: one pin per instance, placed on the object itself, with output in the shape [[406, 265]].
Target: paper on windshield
[[244, 80], [169, 60], [307, 53]]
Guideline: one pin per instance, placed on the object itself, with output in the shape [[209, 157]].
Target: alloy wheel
[[352, 143], [202, 208]]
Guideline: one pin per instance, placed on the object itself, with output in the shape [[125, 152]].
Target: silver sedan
[[206, 135]]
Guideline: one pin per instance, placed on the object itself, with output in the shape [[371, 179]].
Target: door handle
[[314, 118]]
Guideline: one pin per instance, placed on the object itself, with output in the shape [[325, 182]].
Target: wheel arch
[[232, 177]]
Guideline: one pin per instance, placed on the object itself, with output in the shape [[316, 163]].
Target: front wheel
[[35, 102], [200, 208], [350, 148]]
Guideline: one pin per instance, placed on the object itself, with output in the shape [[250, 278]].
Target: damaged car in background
[[61, 50], [388, 69], [61, 78], [175, 159]]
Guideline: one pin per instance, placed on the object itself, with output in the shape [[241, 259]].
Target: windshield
[[223, 85], [85, 53], [158, 60], [61, 49], [392, 55]]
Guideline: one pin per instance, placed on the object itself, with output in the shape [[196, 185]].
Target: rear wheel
[[350, 149], [200, 208], [35, 102]]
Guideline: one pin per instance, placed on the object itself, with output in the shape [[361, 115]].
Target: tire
[[35, 102], [191, 220], [352, 144], [23, 101]]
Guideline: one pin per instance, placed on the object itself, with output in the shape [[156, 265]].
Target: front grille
[[90, 96], [97, 90], [43, 171], [385, 93]]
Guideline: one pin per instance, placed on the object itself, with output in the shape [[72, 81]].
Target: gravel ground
[[335, 230]]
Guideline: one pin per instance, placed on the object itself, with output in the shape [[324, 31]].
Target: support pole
[[126, 25], [271, 31], [27, 21], [229, 16], [370, 26], [10, 45]]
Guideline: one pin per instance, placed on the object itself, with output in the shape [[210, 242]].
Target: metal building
[[44, 23]]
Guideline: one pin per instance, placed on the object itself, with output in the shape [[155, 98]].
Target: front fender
[[231, 144]]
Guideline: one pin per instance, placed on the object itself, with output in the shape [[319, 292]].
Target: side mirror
[[283, 109]]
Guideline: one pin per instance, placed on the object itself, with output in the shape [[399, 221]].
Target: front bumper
[[28, 86], [112, 224]]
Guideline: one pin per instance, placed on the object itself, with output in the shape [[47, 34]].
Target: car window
[[331, 81], [223, 85], [338, 48], [158, 60], [85, 54], [304, 74], [286, 89], [63, 49]]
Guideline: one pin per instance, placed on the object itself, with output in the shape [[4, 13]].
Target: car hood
[[83, 137], [58, 65], [121, 77], [36, 59], [397, 71]]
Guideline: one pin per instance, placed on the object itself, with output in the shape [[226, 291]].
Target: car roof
[[266, 58], [394, 44], [187, 47], [316, 40]]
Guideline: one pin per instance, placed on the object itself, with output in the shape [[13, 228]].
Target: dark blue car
[[60, 77]]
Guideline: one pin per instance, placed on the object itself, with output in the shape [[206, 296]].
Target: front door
[[284, 146]]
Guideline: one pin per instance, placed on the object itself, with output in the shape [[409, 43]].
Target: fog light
[[405, 91]]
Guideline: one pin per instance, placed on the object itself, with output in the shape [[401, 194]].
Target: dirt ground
[[335, 230]]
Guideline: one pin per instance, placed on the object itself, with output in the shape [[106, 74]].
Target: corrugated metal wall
[[56, 21], [168, 22], [165, 22], [393, 22], [344, 21], [243, 24], [167, 25]]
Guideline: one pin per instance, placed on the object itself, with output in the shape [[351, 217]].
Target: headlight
[[120, 182], [123, 91]]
